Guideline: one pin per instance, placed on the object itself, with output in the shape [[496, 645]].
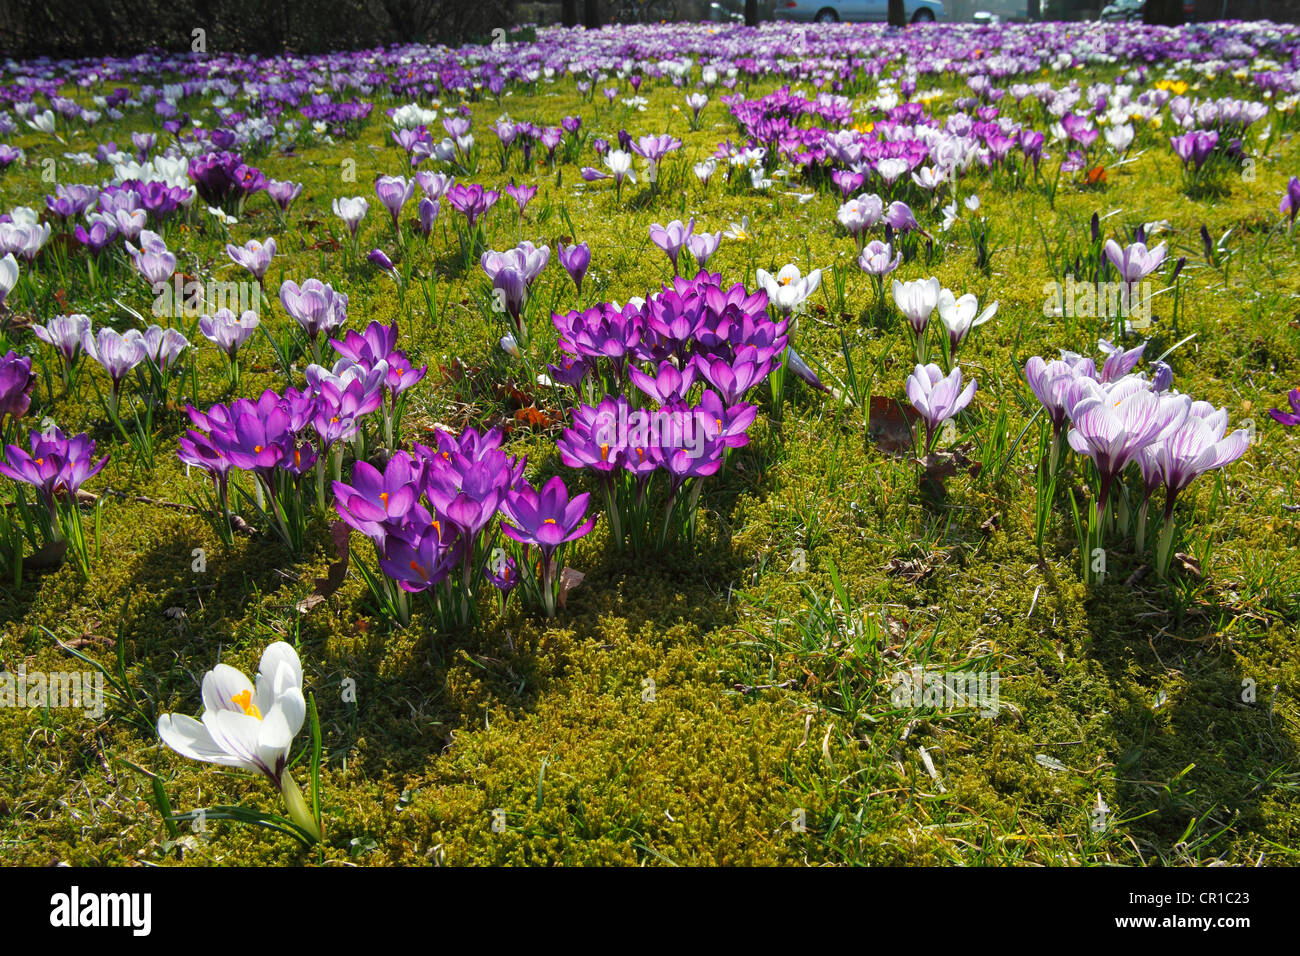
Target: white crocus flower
[[916, 300], [959, 315], [1119, 137], [738, 231], [788, 289], [351, 211], [949, 215], [620, 164], [24, 215], [927, 177], [8, 276], [42, 122], [249, 726]]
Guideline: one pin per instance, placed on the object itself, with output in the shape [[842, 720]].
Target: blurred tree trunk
[[751, 13], [897, 13], [591, 14], [569, 13], [1035, 10], [1167, 13]]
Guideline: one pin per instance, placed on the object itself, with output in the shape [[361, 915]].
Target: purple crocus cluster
[[1118, 418], [221, 177], [433, 515], [695, 350]]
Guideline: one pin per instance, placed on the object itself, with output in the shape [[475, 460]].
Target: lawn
[[730, 668]]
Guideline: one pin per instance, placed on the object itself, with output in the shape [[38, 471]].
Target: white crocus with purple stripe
[[249, 726]]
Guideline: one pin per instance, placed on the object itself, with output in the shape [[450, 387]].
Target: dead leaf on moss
[[333, 579]]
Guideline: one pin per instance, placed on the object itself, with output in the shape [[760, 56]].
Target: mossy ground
[[768, 700]]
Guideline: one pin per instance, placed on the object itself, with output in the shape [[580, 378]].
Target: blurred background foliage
[[74, 28]]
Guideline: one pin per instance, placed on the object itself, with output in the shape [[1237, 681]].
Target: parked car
[[1123, 10], [856, 11]]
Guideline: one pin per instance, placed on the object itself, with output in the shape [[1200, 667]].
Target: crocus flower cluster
[[1117, 418], [433, 515], [695, 349]]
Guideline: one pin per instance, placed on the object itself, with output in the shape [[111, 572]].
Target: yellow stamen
[[244, 701]]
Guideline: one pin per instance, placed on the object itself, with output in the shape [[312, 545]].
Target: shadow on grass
[[1192, 772]]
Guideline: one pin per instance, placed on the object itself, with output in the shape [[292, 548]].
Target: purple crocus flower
[[522, 195], [143, 142], [422, 554], [283, 193], [116, 353], [1135, 261], [878, 258], [314, 305], [394, 192], [228, 331], [380, 258], [1050, 382], [570, 372], [728, 424], [99, 235], [16, 382], [152, 259], [655, 148], [56, 464], [344, 394], [427, 212], [937, 397], [1290, 204], [252, 435], [592, 440], [162, 346], [847, 181], [671, 238], [1194, 147], [1119, 362], [1197, 445], [547, 519], [526, 259], [733, 379], [668, 385], [575, 260], [467, 487], [1079, 129], [702, 246], [254, 256], [378, 500], [130, 222], [899, 216], [65, 333], [471, 201], [1112, 425], [435, 185], [1292, 417]]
